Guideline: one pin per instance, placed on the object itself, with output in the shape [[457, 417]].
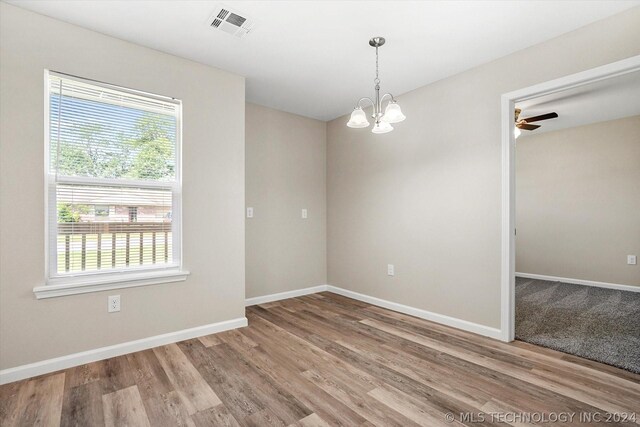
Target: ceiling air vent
[[231, 21]]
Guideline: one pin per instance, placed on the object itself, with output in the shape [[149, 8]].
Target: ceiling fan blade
[[527, 126], [541, 117]]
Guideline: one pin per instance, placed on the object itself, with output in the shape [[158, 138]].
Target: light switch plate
[[391, 271], [249, 212], [632, 260], [304, 214]]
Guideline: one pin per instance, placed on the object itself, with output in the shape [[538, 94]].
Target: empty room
[[577, 227], [319, 213]]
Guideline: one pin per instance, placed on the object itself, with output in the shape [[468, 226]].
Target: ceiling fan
[[525, 123]]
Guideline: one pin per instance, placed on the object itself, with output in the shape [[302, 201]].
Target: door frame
[[507, 294]]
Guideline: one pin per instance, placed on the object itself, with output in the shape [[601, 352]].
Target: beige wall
[[213, 236], [426, 197], [285, 172], [578, 202]]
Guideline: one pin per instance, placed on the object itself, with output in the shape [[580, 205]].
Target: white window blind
[[113, 179]]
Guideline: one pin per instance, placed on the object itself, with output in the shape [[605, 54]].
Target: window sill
[[72, 286]]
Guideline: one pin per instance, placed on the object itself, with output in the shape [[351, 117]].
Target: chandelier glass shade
[[392, 112], [358, 119], [382, 127]]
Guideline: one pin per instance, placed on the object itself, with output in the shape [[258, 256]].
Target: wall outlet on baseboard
[[391, 270], [632, 260], [114, 303]]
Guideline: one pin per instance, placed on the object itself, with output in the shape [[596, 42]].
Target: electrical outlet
[[632, 260], [304, 214], [249, 212], [391, 270], [114, 303]]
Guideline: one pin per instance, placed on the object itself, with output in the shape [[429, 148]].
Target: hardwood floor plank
[[235, 336], [589, 368], [400, 381], [124, 408], [268, 305], [312, 420], [429, 371], [265, 418], [320, 360], [557, 384], [168, 409], [272, 396], [9, 401], [38, 403], [115, 374], [539, 357], [209, 340], [305, 355], [216, 416], [83, 374], [235, 394], [293, 304], [415, 410], [82, 406], [148, 374], [361, 403], [272, 358], [194, 391], [162, 403], [450, 375], [331, 308]]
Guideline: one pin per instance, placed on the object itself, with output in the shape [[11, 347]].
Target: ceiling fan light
[[382, 127], [516, 132], [393, 113], [358, 119]]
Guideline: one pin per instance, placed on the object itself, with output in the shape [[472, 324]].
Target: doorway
[[509, 103]]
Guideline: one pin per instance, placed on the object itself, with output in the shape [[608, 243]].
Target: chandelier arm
[[389, 95], [383, 97], [368, 99]]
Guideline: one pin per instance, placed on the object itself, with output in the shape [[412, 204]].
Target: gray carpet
[[594, 323]]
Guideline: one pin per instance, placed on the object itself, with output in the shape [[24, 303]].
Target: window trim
[[86, 283], [95, 281]]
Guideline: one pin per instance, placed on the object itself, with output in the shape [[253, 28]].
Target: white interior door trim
[[507, 305]]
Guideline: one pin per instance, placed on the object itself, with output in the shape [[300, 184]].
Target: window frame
[[89, 281]]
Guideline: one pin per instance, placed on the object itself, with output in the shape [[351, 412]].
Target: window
[[113, 178], [101, 210], [133, 214]]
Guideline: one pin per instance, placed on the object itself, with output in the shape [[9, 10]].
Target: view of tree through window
[[111, 153], [123, 143]]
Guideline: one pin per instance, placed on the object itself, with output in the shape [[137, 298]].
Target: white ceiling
[[609, 99], [312, 57]]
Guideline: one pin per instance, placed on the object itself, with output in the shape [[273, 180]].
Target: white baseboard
[[580, 282], [423, 314], [284, 295], [71, 360]]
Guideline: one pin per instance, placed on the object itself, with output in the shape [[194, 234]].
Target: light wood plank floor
[[323, 360]]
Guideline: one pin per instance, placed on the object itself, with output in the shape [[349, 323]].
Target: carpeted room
[[578, 231]]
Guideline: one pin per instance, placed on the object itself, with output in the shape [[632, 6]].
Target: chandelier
[[392, 113]]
